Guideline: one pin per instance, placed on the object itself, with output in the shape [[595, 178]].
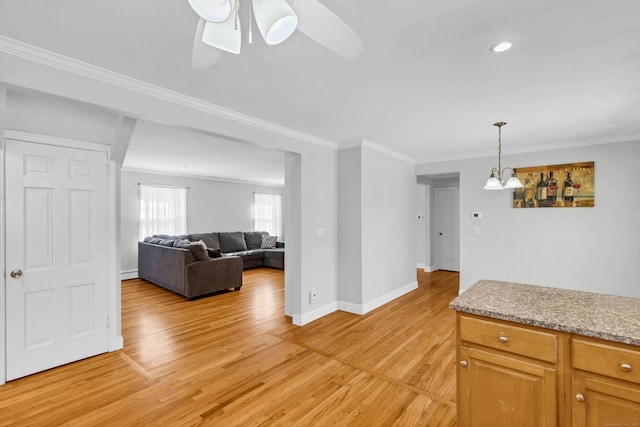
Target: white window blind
[[267, 213], [163, 210]]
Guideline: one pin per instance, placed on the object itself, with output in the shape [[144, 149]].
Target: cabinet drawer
[[513, 339], [605, 359]]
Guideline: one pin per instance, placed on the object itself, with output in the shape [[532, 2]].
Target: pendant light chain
[[500, 124]]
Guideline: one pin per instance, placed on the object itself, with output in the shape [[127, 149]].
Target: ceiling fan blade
[[319, 23], [203, 56]]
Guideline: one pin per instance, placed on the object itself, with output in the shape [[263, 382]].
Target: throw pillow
[[214, 253], [197, 249], [269, 242], [254, 239], [232, 241]]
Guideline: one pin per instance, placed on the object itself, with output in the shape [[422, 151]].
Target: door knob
[[16, 273], [580, 397]]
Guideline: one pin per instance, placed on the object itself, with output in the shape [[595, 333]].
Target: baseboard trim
[[430, 269], [378, 302], [420, 266], [128, 275], [304, 318]]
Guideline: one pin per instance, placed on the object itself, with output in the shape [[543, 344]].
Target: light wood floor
[[235, 359]]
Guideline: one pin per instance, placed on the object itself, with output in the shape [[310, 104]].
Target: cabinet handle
[[626, 367], [464, 363], [579, 397], [504, 339]]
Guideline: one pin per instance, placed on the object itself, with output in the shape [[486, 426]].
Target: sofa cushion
[[248, 255], [214, 253], [168, 236], [254, 239], [232, 241], [197, 249], [166, 242], [269, 242], [210, 239]]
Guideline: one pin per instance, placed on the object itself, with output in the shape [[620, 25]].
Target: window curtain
[[163, 210], [267, 214]]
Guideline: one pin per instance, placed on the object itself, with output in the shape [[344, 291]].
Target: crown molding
[[71, 65], [200, 177], [527, 149], [377, 147]]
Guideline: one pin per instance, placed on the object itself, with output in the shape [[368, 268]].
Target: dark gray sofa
[[247, 245], [192, 271], [177, 270]]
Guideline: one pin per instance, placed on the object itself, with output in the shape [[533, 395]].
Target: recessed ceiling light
[[184, 168], [501, 47]]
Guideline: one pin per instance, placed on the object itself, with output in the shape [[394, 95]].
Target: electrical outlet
[[313, 296]]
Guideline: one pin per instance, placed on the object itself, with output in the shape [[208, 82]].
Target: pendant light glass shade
[[276, 20], [224, 36], [493, 184], [513, 182], [212, 10]]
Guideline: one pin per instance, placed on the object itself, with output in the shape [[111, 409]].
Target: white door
[[56, 257], [447, 229]]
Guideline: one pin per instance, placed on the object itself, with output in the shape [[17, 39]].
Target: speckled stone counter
[[607, 317]]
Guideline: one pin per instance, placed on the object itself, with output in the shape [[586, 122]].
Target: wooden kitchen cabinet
[[605, 383], [564, 357], [509, 375]]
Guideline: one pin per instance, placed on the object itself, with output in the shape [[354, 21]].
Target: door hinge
[[108, 322]]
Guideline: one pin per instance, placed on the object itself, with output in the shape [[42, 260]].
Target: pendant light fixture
[[495, 181]]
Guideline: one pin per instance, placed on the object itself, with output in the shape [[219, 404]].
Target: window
[[267, 213], [163, 210]]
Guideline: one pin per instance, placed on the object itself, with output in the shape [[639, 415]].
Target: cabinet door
[[603, 403], [498, 391]]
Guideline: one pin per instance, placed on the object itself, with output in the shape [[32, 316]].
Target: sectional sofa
[[195, 265]]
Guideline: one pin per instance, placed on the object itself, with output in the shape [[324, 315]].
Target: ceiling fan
[[218, 28]]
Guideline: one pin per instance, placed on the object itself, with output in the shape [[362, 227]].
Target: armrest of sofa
[[163, 265], [279, 244], [212, 275]]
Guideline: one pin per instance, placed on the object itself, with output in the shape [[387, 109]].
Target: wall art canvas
[[556, 186]]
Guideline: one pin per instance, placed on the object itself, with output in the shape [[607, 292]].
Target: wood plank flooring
[[234, 359]]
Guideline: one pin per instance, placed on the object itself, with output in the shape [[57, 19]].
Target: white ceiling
[[427, 86]]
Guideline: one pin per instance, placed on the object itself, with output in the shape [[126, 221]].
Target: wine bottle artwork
[[556, 186]]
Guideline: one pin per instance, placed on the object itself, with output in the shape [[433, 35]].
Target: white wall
[[377, 228], [350, 225], [211, 206], [388, 225], [423, 202], [593, 249]]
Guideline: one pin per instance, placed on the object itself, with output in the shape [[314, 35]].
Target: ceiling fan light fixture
[[212, 10], [224, 36], [276, 20]]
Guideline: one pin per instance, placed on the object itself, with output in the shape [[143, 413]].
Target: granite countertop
[[607, 317]]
